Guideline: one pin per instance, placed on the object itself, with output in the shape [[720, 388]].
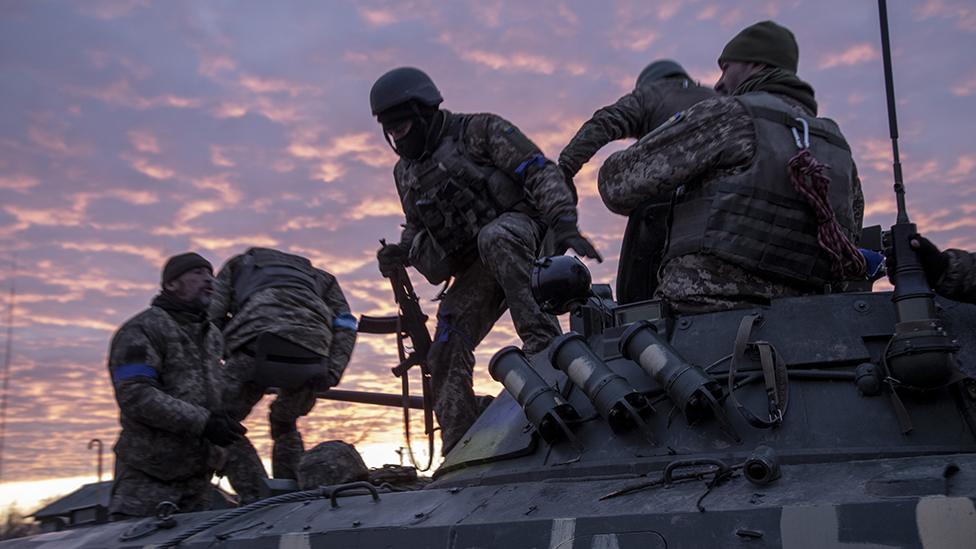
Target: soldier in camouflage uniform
[[479, 198], [162, 363], [268, 299], [741, 235], [662, 89]]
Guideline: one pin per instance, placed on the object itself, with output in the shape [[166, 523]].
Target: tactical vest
[[266, 268], [755, 219], [454, 197]]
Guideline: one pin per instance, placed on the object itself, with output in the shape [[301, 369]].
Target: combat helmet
[[660, 69], [401, 85], [560, 283]]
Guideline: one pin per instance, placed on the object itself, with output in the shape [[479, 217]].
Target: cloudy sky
[[133, 130]]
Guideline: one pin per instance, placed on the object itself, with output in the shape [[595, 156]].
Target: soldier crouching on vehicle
[[163, 362], [478, 197], [287, 325]]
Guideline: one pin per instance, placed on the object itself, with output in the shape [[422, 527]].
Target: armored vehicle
[[844, 419]]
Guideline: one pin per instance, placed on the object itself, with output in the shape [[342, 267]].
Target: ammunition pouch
[[433, 264], [283, 364]]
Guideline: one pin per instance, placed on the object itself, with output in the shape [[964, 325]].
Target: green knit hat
[[766, 43]]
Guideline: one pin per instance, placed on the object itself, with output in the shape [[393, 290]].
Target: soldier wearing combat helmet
[[662, 89], [479, 198], [758, 214]]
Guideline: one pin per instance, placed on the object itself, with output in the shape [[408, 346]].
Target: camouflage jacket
[[319, 321], [632, 116], [162, 367], [959, 280], [714, 138], [490, 140]]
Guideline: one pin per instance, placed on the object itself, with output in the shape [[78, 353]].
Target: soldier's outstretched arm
[[343, 327], [623, 119], [496, 141], [959, 280], [136, 369], [713, 134]]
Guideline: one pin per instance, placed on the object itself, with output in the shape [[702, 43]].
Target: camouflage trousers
[[699, 283], [479, 295], [136, 494], [240, 394]]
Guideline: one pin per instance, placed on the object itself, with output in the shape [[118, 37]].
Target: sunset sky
[[131, 131]]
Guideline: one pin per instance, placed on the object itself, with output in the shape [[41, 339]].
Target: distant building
[[89, 505]]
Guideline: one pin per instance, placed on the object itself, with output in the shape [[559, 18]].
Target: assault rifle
[[410, 325]]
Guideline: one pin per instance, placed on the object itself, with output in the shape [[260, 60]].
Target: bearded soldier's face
[[194, 286], [735, 73]]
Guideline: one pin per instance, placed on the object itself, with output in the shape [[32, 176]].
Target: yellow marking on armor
[[815, 527], [946, 523], [563, 531], [295, 541], [653, 357], [604, 541]]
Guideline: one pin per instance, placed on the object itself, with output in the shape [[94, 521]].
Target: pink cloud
[[516, 61], [964, 87], [853, 55], [144, 141], [962, 12], [378, 17], [963, 169]]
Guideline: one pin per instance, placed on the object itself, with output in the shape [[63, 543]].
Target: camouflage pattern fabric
[[959, 280], [714, 138], [162, 368], [318, 321], [490, 140], [507, 247], [295, 314], [136, 494], [330, 463], [632, 116], [244, 469]]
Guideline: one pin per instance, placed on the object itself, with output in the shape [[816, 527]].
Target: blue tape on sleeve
[[129, 371], [874, 261], [345, 321], [535, 160]]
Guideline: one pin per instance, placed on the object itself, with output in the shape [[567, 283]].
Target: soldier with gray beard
[[163, 364], [287, 325], [479, 199], [767, 199]]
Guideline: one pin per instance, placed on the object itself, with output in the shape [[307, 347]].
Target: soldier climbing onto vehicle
[[287, 325], [479, 198], [163, 365], [662, 89], [758, 214]]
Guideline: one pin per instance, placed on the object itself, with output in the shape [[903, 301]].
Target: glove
[[933, 261], [566, 235], [568, 176], [390, 257], [222, 430]]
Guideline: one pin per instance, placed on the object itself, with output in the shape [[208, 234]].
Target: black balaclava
[[416, 144]]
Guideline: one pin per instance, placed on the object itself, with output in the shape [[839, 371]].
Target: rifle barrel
[[365, 397]]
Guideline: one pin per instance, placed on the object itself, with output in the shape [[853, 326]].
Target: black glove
[[566, 235], [222, 430], [390, 257], [568, 176], [933, 261]]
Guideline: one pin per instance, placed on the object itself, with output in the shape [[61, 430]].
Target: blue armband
[[345, 321], [129, 371], [536, 160]]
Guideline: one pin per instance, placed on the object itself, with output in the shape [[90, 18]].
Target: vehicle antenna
[[919, 353]]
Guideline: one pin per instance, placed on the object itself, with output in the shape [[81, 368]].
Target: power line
[[6, 361]]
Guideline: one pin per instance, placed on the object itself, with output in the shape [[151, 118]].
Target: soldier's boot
[[287, 449], [245, 472]]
